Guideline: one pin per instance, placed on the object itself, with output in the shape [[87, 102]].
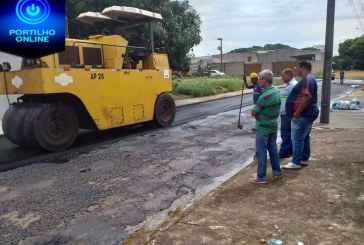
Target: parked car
[[216, 73]]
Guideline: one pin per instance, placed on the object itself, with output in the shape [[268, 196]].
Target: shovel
[[240, 126]]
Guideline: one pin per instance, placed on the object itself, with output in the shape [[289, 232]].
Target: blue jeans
[[286, 146], [300, 135], [264, 142]]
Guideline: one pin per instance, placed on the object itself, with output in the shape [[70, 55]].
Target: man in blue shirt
[[257, 90], [342, 73], [301, 106]]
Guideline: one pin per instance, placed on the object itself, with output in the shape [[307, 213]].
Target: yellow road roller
[[98, 83]]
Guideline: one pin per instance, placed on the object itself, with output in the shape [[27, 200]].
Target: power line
[[354, 8], [359, 4], [360, 7]]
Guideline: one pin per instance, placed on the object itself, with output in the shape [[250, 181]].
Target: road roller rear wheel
[[12, 123], [28, 125]]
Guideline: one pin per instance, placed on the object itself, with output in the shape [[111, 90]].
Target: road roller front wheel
[[165, 110]]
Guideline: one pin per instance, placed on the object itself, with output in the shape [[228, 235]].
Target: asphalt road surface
[[12, 156], [103, 193]]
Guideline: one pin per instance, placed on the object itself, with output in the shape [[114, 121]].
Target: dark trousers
[[286, 146]]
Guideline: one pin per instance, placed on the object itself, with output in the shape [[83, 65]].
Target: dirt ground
[[351, 74], [319, 204], [325, 201]]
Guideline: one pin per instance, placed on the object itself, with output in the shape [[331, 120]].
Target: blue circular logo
[[32, 11]]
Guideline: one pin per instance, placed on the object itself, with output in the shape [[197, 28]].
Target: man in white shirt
[[286, 147]]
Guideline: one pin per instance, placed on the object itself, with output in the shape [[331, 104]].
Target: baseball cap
[[253, 75]]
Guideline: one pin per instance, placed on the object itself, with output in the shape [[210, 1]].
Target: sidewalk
[[319, 204]]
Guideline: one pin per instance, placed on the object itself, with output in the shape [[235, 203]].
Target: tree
[[344, 47], [311, 48], [260, 48], [276, 46], [351, 54], [357, 49], [179, 32]]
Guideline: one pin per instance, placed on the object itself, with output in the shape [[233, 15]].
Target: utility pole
[[66, 27], [220, 48], [326, 84]]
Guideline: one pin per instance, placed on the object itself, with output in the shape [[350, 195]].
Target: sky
[[297, 23]]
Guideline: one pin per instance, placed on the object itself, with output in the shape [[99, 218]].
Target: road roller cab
[[98, 83]]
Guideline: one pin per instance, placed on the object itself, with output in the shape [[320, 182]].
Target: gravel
[[101, 196]]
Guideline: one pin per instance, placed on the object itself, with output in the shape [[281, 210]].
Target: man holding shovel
[[257, 90]]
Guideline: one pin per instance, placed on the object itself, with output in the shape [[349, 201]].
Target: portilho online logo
[[32, 11]]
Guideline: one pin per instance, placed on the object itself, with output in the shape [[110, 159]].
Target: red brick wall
[[249, 68], [278, 67]]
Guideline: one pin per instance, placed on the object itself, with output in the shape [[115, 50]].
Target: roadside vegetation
[[351, 54], [319, 74], [351, 75], [355, 75], [190, 87]]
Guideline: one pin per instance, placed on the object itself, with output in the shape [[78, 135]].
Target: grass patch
[[355, 78], [319, 75], [349, 75], [207, 86]]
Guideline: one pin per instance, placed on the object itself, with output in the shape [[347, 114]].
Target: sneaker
[[277, 176], [304, 163], [291, 165], [258, 181]]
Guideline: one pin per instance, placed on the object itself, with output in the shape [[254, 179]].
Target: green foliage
[[344, 62], [319, 74], [268, 47], [251, 49], [206, 86], [351, 54], [344, 47], [310, 48], [276, 46], [260, 48], [178, 32]]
